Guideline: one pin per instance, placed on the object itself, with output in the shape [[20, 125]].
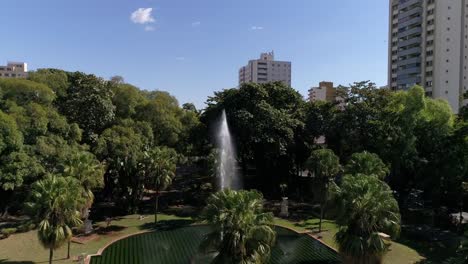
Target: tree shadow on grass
[[167, 224], [435, 251], [109, 229], [313, 226], [7, 261]]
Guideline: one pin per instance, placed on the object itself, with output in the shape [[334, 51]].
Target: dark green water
[[180, 246]]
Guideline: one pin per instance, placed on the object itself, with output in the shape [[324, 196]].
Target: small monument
[[88, 226], [284, 203], [284, 207]]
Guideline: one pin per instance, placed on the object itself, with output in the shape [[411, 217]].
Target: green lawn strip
[[398, 254], [25, 247]]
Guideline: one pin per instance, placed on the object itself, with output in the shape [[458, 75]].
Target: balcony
[[408, 80], [416, 30], [409, 3], [409, 71], [414, 20], [409, 61], [409, 42], [415, 50], [413, 11]]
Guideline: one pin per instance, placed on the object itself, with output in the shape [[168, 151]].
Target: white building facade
[[265, 70], [428, 46], [14, 70]]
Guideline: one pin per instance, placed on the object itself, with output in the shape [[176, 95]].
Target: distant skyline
[[193, 48]]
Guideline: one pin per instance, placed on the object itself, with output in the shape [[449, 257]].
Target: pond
[[180, 245]]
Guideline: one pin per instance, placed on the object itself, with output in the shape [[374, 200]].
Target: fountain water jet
[[227, 163]]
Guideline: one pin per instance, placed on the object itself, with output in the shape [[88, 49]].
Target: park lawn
[[398, 254], [25, 248]]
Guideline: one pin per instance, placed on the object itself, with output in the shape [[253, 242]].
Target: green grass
[[181, 245], [398, 254], [25, 247]]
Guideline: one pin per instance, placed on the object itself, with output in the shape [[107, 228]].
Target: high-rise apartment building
[[265, 70], [428, 46], [14, 70], [324, 92]]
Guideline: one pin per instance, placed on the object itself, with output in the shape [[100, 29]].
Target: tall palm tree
[[160, 167], [367, 163], [54, 202], [242, 231], [367, 208], [84, 167], [325, 166]]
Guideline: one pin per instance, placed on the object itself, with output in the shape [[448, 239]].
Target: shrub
[[25, 227], [8, 231]]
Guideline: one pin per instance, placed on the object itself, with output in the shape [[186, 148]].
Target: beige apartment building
[[14, 70], [265, 70], [324, 92], [428, 46]]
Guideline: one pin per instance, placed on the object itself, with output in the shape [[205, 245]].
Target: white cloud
[[256, 28], [149, 28], [196, 24], [180, 58], [142, 16]]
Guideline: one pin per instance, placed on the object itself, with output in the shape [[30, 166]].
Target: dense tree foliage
[[125, 143], [267, 123], [85, 127]]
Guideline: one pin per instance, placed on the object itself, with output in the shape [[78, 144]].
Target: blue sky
[[194, 47]]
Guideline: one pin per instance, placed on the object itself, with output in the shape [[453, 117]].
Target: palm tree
[[54, 202], [325, 166], [84, 167], [368, 164], [160, 167], [242, 231], [367, 208]]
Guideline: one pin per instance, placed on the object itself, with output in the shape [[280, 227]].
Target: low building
[[14, 70], [324, 92]]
